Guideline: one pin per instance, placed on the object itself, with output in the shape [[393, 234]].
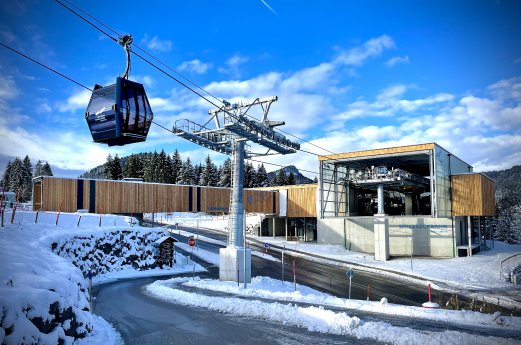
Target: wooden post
[[59, 210], [100, 210], [15, 206]]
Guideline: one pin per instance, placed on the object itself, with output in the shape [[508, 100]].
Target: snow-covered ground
[[481, 271], [44, 297], [319, 319]]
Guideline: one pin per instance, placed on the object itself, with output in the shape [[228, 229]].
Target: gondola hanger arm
[[125, 41]]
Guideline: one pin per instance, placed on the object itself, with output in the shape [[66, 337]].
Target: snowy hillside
[[44, 297]]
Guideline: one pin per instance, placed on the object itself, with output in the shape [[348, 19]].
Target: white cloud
[[389, 103], [397, 60], [485, 132], [77, 101], [372, 48], [194, 66], [233, 65], [43, 107], [8, 88], [157, 45]]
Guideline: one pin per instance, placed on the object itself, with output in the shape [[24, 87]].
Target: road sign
[[191, 241], [266, 245], [350, 274]]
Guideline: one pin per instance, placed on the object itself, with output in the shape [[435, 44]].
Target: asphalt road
[[143, 320], [324, 277]]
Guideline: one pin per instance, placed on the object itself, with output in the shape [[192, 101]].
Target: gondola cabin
[[119, 114]]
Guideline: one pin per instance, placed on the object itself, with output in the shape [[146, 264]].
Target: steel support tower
[[228, 131]]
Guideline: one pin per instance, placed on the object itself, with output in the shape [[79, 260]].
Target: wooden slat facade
[[301, 200], [375, 152], [473, 195], [104, 196]]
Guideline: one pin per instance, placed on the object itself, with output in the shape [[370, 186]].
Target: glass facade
[[445, 165]]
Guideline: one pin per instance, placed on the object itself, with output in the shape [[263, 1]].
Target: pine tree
[[186, 175], [208, 173], [27, 169], [46, 169], [280, 178], [116, 171], [6, 179], [262, 177], [107, 167], [198, 170], [225, 176], [38, 169], [291, 179], [150, 171], [249, 176], [315, 180], [177, 165], [133, 167], [164, 168]]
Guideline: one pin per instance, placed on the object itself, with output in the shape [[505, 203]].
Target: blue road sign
[[350, 274], [266, 245]]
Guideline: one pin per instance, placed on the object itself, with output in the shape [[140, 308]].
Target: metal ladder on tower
[[231, 216]]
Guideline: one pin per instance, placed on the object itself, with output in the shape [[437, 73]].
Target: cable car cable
[[179, 74], [86, 20], [89, 89], [47, 67]]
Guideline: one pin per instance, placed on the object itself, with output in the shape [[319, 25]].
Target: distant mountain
[[299, 178]]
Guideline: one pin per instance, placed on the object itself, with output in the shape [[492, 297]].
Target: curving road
[[144, 320]]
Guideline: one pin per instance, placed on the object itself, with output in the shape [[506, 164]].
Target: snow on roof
[[164, 238]]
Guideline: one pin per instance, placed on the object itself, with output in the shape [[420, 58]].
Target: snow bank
[[265, 287], [313, 318], [44, 297]]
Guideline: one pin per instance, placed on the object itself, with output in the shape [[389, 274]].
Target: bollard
[[368, 292], [430, 304], [294, 276]]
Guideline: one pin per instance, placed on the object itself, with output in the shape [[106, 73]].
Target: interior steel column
[[381, 198]]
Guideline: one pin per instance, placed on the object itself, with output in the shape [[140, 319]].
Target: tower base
[[231, 264]]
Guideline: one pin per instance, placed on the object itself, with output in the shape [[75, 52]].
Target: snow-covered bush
[[109, 251]]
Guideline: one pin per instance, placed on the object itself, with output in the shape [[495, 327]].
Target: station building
[[416, 200], [411, 200]]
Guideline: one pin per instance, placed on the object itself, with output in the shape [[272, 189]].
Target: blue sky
[[350, 75]]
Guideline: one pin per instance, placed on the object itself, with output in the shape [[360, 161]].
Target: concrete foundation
[[231, 264], [381, 238]]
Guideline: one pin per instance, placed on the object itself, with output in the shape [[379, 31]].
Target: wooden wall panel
[[86, 194], [472, 195], [383, 151], [260, 201], [214, 199], [302, 202], [59, 195], [37, 196], [135, 197], [488, 191]]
